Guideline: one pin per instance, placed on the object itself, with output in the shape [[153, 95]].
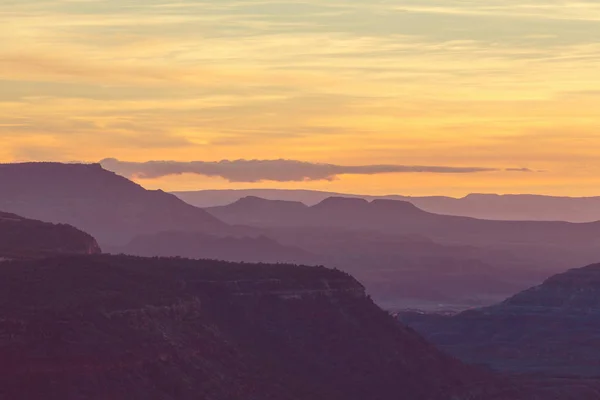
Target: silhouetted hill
[[398, 217], [463, 262], [108, 206], [553, 328], [214, 198], [254, 211], [25, 238], [518, 207], [105, 327], [203, 246], [522, 207]]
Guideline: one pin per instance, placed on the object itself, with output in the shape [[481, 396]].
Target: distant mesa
[[257, 202], [336, 201], [521, 207], [463, 261], [401, 217]]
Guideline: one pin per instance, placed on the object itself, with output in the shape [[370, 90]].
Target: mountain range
[[77, 324], [521, 207], [404, 255], [401, 217]]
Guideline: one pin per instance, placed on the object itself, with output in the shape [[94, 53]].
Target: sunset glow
[[500, 84]]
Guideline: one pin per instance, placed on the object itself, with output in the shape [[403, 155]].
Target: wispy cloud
[[355, 82], [274, 170]]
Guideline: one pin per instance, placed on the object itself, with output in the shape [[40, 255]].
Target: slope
[[553, 328], [25, 238], [101, 327], [110, 207]]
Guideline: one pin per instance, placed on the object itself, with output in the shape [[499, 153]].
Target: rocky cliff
[[101, 327], [24, 238]]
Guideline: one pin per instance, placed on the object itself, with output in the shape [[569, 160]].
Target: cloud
[[272, 170], [519, 170]]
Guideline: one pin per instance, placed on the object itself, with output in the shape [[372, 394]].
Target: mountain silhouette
[[111, 208], [399, 217], [521, 207], [406, 255]]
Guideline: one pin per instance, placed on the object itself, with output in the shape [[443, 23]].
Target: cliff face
[[553, 328], [131, 328], [25, 238]]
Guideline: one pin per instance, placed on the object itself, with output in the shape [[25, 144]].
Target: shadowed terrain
[[100, 327], [405, 255], [25, 238], [553, 328]]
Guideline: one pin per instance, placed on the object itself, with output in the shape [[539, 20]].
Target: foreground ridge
[[134, 328]]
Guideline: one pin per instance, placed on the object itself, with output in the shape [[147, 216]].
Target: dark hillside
[[25, 238], [105, 327], [553, 328]]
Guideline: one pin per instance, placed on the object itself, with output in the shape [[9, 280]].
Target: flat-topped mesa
[[21, 180], [341, 203], [177, 278], [22, 238], [185, 329], [257, 203], [396, 206]]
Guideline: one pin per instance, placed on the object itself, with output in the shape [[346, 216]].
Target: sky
[[415, 97]]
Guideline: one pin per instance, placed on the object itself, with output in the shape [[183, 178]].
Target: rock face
[[101, 327], [22, 238], [111, 208], [553, 328]]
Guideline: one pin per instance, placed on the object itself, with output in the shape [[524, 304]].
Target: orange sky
[[494, 84]]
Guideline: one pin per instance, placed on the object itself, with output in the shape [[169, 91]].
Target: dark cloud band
[[271, 170]]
